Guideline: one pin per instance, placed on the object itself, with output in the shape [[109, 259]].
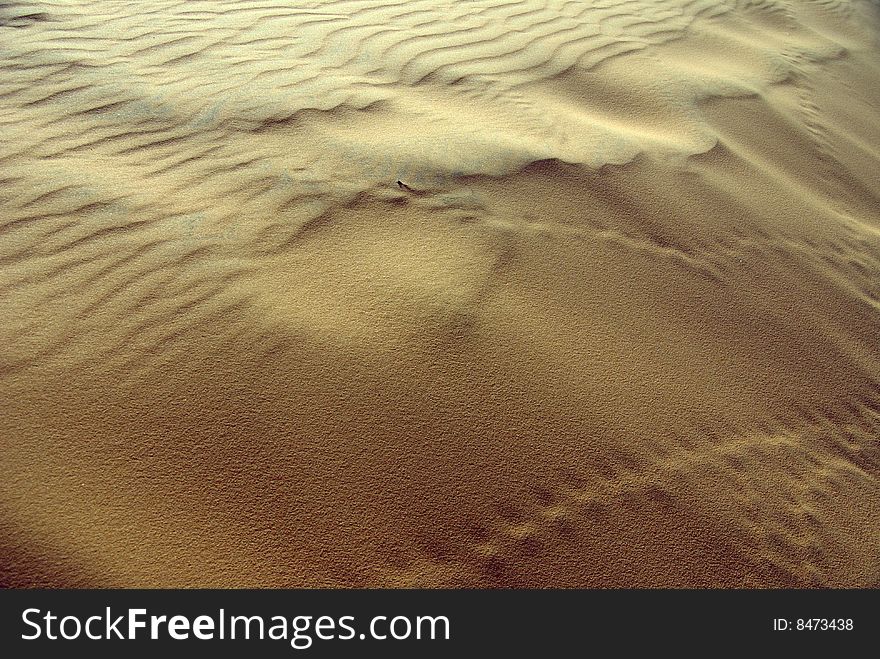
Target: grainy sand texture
[[618, 325]]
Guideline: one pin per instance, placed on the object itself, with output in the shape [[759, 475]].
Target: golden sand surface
[[619, 325]]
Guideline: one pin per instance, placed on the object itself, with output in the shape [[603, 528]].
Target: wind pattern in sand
[[617, 325]]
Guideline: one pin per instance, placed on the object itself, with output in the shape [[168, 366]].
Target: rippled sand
[[618, 324]]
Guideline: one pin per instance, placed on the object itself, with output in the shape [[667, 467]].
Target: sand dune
[[620, 325]]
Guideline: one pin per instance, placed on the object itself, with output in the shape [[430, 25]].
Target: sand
[[620, 325]]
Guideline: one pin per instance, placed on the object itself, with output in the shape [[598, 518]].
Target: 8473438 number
[[824, 624]]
